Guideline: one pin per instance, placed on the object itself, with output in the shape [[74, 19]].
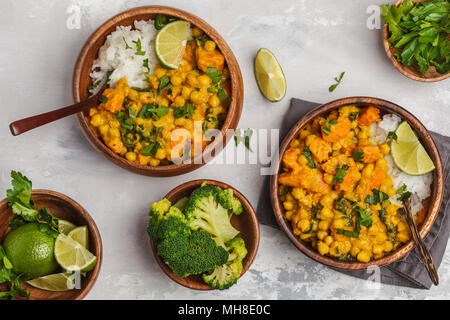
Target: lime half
[[65, 226], [170, 43], [72, 256], [408, 153], [54, 282], [80, 235], [269, 76]]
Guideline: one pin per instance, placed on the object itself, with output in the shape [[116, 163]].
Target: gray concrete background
[[313, 40]]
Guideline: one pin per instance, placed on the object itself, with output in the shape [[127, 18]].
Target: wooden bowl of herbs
[[415, 38]]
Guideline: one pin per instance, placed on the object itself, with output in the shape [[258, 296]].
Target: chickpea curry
[[335, 188], [137, 123]]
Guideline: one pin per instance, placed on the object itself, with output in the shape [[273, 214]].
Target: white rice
[[419, 186], [114, 55]]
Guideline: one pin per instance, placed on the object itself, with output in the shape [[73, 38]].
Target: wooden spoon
[[24, 125], [427, 260]]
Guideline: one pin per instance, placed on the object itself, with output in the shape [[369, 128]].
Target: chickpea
[[294, 143], [326, 201], [305, 236], [92, 111], [384, 149], [210, 46], [204, 81], [339, 223], [154, 162], [176, 80], [387, 246], [354, 251], [377, 249], [367, 171], [321, 234], [196, 97], [288, 205], [179, 101], [403, 236], [131, 156], [180, 122], [326, 213], [289, 214], [192, 80], [114, 133], [402, 226], [304, 225], [363, 256], [214, 102], [160, 72], [382, 164], [324, 225], [310, 139], [139, 121], [344, 246], [323, 248], [133, 95], [160, 154], [97, 120], [103, 129], [328, 240], [186, 92], [303, 214]]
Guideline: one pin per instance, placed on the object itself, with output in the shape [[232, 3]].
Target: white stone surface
[[313, 40]]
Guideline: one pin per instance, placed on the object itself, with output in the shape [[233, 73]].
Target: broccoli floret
[[157, 212], [204, 212], [191, 254], [185, 251], [226, 275], [227, 200]]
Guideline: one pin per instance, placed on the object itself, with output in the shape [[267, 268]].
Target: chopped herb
[[238, 138], [343, 205], [127, 123], [95, 85], [327, 128], [214, 74], [103, 99], [341, 172], [403, 193], [160, 21], [126, 44], [362, 219], [402, 189], [382, 215], [358, 156], [222, 95], [186, 111], [286, 190], [145, 64], [392, 135], [377, 197], [353, 116], [338, 81], [212, 90], [138, 44], [151, 149], [164, 84], [148, 110], [142, 89], [308, 154]]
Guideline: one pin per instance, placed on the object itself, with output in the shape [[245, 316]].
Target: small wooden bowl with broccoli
[[204, 234]]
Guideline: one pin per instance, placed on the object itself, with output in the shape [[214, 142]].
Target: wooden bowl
[[437, 187], [412, 72], [81, 81], [247, 223], [65, 208]]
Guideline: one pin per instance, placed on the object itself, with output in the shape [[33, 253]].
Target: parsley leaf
[[138, 44], [403, 193], [145, 65], [151, 149], [103, 99], [392, 135], [358, 156], [340, 174], [338, 81], [126, 44], [164, 84], [186, 111], [214, 74], [308, 154], [353, 116], [362, 219], [148, 110], [377, 197]]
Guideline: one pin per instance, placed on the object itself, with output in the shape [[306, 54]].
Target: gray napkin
[[409, 271]]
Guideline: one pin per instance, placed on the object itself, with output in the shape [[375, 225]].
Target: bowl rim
[[436, 197], [405, 70], [233, 114], [92, 229], [248, 209]]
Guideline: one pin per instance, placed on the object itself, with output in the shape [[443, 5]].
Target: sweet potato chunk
[[369, 115], [338, 131], [320, 149]]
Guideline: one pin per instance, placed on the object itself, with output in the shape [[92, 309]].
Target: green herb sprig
[[338, 82]]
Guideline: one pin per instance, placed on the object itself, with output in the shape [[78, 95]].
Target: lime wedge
[[72, 256], [65, 226], [54, 282], [408, 153], [269, 76], [80, 235], [170, 43]]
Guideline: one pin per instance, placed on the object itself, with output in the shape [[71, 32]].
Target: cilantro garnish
[[151, 149], [327, 127], [308, 154], [341, 172], [358, 156], [377, 197], [362, 219], [138, 44], [338, 81]]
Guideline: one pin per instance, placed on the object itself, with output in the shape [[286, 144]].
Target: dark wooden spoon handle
[[420, 245], [23, 125]]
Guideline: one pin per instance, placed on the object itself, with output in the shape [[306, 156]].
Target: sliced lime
[[72, 256], [54, 282], [171, 41], [65, 226], [408, 153], [269, 76], [80, 235]]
